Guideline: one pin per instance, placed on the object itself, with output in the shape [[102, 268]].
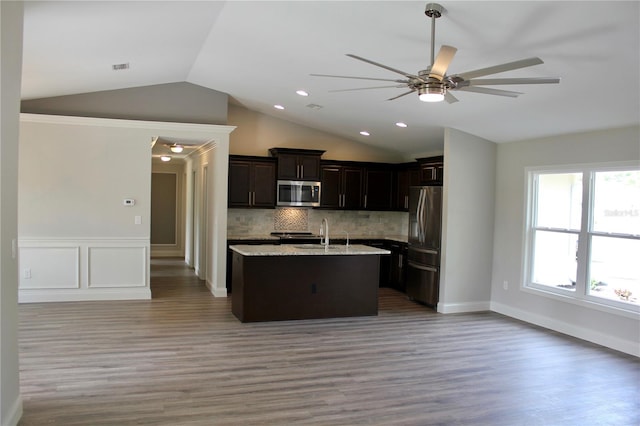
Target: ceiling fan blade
[[523, 63], [399, 96], [406, 74], [442, 61], [497, 81], [360, 78], [397, 86], [490, 91], [450, 98]]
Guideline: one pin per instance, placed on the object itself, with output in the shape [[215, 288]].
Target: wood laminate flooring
[[182, 358]]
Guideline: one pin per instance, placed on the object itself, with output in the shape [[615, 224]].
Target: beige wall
[[257, 132]]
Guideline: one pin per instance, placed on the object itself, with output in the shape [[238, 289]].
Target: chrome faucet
[[347, 238], [324, 232]]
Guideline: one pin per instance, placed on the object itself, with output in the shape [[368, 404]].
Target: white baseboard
[[456, 308], [626, 346], [14, 414], [217, 292], [78, 295]]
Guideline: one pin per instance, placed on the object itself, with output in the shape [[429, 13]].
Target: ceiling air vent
[[118, 67], [314, 106]]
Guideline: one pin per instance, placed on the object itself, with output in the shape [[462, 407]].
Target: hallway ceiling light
[[177, 148], [165, 158]]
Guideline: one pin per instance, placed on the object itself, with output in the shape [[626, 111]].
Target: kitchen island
[[305, 281]]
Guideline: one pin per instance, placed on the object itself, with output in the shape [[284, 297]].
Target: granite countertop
[[253, 237], [305, 250]]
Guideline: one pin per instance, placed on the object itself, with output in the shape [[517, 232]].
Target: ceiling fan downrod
[[433, 11]]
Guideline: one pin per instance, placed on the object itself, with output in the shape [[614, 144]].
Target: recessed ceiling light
[[401, 124], [165, 158], [364, 133], [278, 107], [302, 93]]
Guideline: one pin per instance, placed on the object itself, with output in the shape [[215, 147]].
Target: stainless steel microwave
[[297, 193]]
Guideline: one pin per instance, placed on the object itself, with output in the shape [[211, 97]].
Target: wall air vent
[[118, 67]]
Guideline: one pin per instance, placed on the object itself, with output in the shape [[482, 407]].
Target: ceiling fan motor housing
[[433, 10]]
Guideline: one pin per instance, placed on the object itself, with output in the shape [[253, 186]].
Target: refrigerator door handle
[[419, 216], [423, 213], [421, 250], [423, 268]]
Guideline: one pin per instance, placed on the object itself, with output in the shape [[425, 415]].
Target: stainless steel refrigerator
[[425, 229]]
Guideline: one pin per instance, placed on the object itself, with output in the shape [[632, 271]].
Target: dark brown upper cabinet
[[431, 170], [297, 164], [252, 182], [407, 175], [341, 186], [378, 187]]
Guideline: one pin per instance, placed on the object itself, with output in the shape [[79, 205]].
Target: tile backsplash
[[360, 223]]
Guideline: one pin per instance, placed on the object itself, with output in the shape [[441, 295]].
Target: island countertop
[[306, 250]]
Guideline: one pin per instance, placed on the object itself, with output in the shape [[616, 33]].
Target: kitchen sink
[[317, 247]]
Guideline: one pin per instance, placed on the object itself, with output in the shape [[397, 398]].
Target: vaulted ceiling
[[262, 52]]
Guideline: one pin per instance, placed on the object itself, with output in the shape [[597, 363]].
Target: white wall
[[467, 223], [10, 74], [79, 241], [206, 212], [602, 327]]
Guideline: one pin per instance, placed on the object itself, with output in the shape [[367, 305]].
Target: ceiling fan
[[434, 85]]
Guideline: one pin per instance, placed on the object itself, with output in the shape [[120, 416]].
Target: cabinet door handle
[[406, 201], [298, 170], [249, 197], [302, 171], [365, 201]]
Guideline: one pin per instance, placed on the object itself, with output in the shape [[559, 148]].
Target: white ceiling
[[261, 52]]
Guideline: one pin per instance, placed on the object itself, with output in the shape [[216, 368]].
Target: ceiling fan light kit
[[434, 85], [431, 92]]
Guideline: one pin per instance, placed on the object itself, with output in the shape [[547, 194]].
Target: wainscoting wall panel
[[50, 267], [117, 266], [58, 270]]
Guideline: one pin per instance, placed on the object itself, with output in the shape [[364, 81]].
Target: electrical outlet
[[26, 273], [505, 285]]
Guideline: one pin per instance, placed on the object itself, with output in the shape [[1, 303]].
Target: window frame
[[579, 295]]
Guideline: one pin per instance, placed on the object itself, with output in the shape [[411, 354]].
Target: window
[[583, 234]]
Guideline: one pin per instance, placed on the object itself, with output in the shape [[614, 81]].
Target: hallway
[[171, 278]]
